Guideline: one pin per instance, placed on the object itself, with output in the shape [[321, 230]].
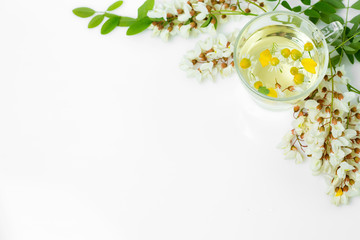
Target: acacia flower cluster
[[210, 57], [190, 17], [326, 129]]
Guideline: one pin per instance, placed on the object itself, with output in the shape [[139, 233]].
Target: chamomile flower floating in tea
[[283, 60]]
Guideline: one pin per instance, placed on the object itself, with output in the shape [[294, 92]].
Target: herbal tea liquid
[[279, 61]]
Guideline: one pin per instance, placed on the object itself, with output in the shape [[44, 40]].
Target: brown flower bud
[[169, 15], [296, 108], [345, 189], [347, 178], [326, 77], [349, 156], [223, 65], [226, 5], [327, 157], [355, 169], [334, 121], [208, 7], [357, 160], [340, 96], [336, 94], [232, 63], [322, 129], [192, 12], [357, 150], [339, 74], [193, 24], [340, 120], [357, 140], [233, 8], [215, 62], [293, 148], [324, 89], [223, 16], [351, 181], [180, 11], [353, 109], [194, 61], [262, 4], [327, 110], [170, 28], [160, 26], [321, 101], [336, 112], [247, 10], [320, 120], [302, 135], [357, 115], [213, 21], [319, 107]]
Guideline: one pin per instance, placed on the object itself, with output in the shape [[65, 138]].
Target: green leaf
[[207, 22], [336, 43], [157, 19], [313, 20], [216, 22], [286, 5], [110, 15], [312, 13], [335, 60], [349, 50], [355, 45], [353, 30], [351, 58], [84, 12], [335, 3], [355, 19], [325, 18], [357, 56], [264, 90], [324, 7], [115, 5], [126, 21], [110, 25], [334, 17], [143, 9], [306, 2], [356, 39], [139, 26], [356, 5], [95, 21], [296, 9]]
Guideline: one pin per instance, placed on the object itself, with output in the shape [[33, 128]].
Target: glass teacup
[[281, 57]]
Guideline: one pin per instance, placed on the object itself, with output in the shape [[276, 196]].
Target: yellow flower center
[[309, 65], [294, 70], [299, 78], [295, 54], [274, 61], [258, 84], [308, 46], [245, 63], [272, 93], [285, 52], [265, 57], [339, 192]]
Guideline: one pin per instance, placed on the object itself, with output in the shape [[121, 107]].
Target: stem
[[276, 5], [351, 88], [229, 12], [255, 5], [345, 41], [344, 33]]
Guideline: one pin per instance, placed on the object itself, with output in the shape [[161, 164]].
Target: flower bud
[[349, 156], [357, 160], [353, 109], [357, 150], [355, 169], [262, 4], [215, 62], [193, 24], [327, 109], [322, 129], [223, 65], [208, 7], [357, 115], [296, 108], [302, 135], [351, 181], [213, 21], [180, 11], [247, 10], [357, 140], [336, 94], [340, 96], [194, 61], [320, 120], [293, 148], [345, 188], [233, 8], [226, 5], [319, 107], [169, 15], [326, 157], [202, 56], [321, 101], [232, 63], [334, 121], [324, 89], [339, 74], [347, 178], [336, 112], [223, 16], [192, 12], [339, 119]]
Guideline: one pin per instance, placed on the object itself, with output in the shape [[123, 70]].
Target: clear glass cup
[[319, 37]]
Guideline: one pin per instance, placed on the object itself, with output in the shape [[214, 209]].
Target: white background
[[104, 137]]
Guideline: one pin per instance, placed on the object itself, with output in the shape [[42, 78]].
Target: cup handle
[[332, 31]]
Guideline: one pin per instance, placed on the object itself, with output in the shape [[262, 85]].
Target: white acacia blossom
[[191, 17], [210, 57], [326, 129]]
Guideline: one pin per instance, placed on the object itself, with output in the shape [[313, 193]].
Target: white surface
[[103, 137]]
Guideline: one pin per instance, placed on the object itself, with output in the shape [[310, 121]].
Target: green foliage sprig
[[135, 25], [326, 11]]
